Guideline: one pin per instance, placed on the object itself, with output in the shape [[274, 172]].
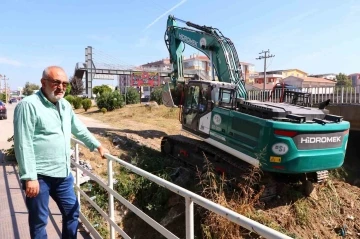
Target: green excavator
[[286, 139]]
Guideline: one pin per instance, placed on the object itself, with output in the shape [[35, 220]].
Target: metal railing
[[337, 95], [190, 199]]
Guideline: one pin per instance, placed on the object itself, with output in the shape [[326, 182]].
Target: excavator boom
[[219, 49]]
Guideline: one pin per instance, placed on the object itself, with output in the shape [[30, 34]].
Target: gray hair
[[46, 71]]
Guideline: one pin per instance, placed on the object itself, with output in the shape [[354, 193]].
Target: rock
[[342, 210], [171, 216], [357, 182], [152, 104], [181, 176]]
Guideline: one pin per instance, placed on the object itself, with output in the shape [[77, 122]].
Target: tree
[[101, 89], [77, 86], [156, 95], [29, 88], [132, 96], [68, 90], [343, 81]]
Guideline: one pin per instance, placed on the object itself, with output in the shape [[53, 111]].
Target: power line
[[266, 55]]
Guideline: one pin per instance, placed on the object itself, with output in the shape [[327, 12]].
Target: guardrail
[[337, 95], [190, 199]]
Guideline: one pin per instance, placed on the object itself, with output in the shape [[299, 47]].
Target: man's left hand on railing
[[102, 151]]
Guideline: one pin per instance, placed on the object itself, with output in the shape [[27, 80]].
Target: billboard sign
[[145, 79]]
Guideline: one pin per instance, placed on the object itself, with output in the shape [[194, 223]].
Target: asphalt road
[[6, 127]]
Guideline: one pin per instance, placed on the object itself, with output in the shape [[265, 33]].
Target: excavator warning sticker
[[217, 119], [274, 159]]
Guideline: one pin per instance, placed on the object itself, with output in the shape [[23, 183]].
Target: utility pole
[[266, 55], [6, 91]]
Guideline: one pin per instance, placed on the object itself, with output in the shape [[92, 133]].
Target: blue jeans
[[62, 192]]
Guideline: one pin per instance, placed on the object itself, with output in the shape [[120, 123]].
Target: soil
[[331, 211]]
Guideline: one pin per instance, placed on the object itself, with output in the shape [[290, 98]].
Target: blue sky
[[320, 36]]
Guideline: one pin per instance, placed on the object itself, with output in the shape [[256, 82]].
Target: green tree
[[86, 103], [29, 88], [110, 100], [101, 89], [2, 97], [343, 81], [68, 90], [77, 86], [156, 95], [132, 96]]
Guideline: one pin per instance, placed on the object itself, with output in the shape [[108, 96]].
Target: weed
[[301, 212], [214, 188]]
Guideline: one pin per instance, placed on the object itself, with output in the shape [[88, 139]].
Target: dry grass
[[124, 118], [242, 202]]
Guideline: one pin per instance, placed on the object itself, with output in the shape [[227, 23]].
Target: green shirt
[[42, 136]]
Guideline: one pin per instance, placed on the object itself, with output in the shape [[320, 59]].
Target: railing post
[[77, 176], [111, 198], [189, 216], [342, 95]]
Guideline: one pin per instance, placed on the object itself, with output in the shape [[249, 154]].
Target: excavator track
[[192, 151]]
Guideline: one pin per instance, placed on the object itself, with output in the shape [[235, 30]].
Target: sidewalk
[[13, 212]]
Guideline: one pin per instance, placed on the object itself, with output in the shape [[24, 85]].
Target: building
[[277, 75], [198, 64], [308, 82], [329, 76], [355, 79], [248, 71], [163, 64]]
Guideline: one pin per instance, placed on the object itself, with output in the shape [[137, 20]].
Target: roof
[[311, 79], [246, 63], [203, 58], [261, 86], [354, 74], [289, 70]]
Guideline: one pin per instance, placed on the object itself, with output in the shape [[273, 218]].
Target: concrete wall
[[350, 113]]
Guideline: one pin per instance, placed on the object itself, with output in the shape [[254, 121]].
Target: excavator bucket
[[167, 98]]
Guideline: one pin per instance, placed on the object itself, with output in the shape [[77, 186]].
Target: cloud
[[7, 61], [165, 13]]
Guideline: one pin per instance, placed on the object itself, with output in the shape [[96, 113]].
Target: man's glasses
[[58, 82]]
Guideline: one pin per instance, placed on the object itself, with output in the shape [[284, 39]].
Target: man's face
[[55, 84]]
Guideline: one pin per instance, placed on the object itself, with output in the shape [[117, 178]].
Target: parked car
[[3, 110], [13, 100]]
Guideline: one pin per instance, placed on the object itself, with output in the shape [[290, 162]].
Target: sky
[[317, 37]]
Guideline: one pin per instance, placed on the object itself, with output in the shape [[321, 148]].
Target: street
[[6, 127]]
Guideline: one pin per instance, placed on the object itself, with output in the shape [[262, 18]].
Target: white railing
[[337, 95], [190, 199]]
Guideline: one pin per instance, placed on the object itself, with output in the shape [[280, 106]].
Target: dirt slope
[[332, 211]]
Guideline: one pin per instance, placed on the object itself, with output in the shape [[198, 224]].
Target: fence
[[190, 199], [337, 95]]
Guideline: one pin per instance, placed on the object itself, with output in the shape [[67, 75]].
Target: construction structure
[[94, 68]]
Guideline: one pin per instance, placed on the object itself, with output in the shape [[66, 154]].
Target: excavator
[[285, 139]]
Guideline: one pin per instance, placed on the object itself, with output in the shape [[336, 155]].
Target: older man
[[43, 124]]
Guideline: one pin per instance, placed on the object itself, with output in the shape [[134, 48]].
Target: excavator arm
[[219, 49]]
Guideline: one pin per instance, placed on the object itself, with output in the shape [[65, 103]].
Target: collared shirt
[[42, 136]]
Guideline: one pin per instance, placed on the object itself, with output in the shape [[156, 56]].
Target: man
[[43, 124]]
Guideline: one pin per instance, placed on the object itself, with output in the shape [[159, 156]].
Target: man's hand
[[32, 188], [102, 151]]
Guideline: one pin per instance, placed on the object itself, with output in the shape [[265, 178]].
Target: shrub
[[86, 104], [132, 96], [77, 102], [103, 110], [110, 100], [156, 95], [70, 98]]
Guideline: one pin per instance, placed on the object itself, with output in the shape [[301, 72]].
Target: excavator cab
[[197, 102]]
